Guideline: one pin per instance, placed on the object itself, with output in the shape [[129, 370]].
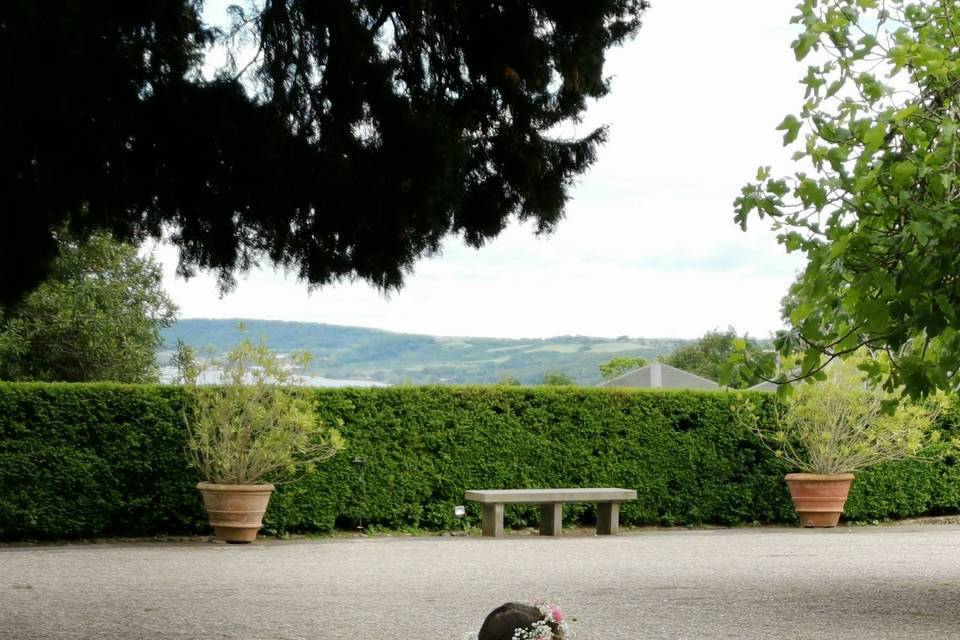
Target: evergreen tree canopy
[[358, 134]]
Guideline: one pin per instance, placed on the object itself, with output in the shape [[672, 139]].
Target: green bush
[[94, 459], [254, 427], [101, 459]]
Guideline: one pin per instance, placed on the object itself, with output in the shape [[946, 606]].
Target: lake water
[[167, 374]]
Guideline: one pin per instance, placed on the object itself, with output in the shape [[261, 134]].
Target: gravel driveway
[[860, 582]]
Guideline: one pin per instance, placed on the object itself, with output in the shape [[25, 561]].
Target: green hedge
[[93, 460], [86, 460]]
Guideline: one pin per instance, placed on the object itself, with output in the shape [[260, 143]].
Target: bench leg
[[608, 520], [551, 518], [492, 520]]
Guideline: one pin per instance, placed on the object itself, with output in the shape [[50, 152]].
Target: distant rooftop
[[657, 375]]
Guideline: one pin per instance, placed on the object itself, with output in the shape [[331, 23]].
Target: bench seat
[[551, 506]]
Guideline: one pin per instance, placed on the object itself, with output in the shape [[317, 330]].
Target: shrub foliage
[[254, 426], [100, 459]]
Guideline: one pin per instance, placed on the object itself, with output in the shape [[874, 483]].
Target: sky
[[648, 247]]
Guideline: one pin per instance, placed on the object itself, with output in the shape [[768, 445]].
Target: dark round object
[[503, 621]]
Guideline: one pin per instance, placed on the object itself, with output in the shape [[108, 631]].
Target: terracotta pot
[[235, 510], [819, 499]]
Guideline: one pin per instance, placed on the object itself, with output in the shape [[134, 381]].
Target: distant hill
[[357, 353]]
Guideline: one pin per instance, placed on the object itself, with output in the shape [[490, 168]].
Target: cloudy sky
[[648, 247]]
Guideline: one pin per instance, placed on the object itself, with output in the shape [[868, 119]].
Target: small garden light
[[459, 511]]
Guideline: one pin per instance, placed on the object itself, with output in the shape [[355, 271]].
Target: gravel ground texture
[[845, 583]]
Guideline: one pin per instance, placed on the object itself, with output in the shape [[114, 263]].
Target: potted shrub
[[250, 427], [832, 428]]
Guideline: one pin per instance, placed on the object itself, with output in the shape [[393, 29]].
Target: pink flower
[[555, 613]]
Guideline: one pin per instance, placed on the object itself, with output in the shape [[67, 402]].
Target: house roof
[[658, 375], [773, 386]]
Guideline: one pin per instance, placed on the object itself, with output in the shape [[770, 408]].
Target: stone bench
[[551, 507]]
